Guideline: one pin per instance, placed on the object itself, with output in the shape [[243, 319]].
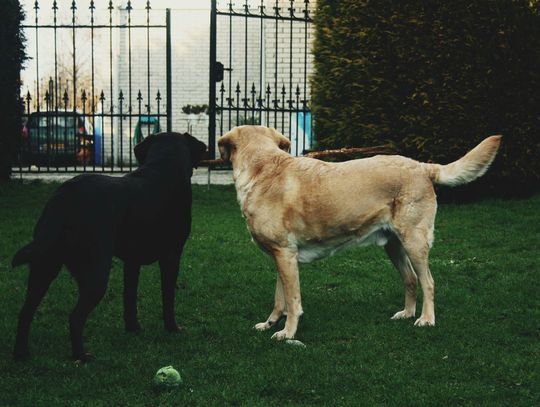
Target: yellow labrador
[[301, 209]]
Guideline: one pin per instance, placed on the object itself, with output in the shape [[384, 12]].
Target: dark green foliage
[[482, 352], [434, 78], [12, 55]]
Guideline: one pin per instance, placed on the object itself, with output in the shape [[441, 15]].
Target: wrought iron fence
[[97, 89], [260, 68], [86, 114]]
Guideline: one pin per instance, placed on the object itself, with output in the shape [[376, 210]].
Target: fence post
[[212, 97], [169, 71]]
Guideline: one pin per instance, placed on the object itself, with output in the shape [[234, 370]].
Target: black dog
[[141, 218]]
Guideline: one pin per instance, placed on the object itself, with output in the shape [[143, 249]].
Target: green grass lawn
[[483, 351]]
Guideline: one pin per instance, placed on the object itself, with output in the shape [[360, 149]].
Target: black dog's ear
[[197, 149], [141, 149]]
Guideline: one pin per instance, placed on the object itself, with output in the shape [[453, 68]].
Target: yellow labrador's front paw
[[281, 335], [262, 326], [423, 321], [403, 314]]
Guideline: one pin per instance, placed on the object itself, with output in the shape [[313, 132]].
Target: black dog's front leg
[[170, 267], [131, 283]]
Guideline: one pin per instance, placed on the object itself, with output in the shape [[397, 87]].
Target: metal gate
[[259, 68], [92, 109], [103, 80]]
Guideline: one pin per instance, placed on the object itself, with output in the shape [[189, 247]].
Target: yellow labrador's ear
[[282, 141], [225, 146]]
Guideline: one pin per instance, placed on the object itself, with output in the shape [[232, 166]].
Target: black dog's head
[[171, 143]]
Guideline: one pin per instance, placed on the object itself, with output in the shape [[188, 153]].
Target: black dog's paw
[[82, 359], [133, 327], [21, 354], [174, 328]]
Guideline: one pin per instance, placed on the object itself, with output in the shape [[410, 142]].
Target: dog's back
[[72, 218]]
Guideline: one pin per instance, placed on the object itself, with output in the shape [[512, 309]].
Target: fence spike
[[276, 9], [291, 9]]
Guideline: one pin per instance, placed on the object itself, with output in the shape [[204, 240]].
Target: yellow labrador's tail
[[471, 166]]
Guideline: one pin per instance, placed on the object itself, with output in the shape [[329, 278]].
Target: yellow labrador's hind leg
[[279, 308], [417, 247], [397, 254], [287, 265]]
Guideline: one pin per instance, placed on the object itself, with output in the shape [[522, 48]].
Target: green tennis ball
[[167, 377]]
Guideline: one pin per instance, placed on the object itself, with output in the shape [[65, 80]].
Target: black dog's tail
[[47, 234], [24, 255]]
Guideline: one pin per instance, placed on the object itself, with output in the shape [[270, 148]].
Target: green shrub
[[13, 55], [433, 78]]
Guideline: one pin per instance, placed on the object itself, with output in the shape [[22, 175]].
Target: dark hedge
[[433, 78], [12, 56]]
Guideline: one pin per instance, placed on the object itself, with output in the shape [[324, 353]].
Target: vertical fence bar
[[66, 141], [229, 99], [74, 83], [222, 92], [291, 13], [169, 70], [148, 98], [47, 128], [37, 100], [93, 95], [28, 137], [55, 97], [304, 101], [121, 130], [130, 108], [158, 103], [237, 91], [261, 58], [283, 93], [111, 100], [276, 105], [212, 96], [102, 103], [84, 136], [246, 106]]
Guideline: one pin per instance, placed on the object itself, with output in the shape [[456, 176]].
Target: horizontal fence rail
[[92, 99]]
